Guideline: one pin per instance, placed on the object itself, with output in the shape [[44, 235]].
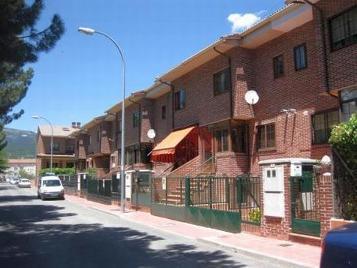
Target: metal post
[[187, 192], [51, 146], [228, 198], [167, 184], [210, 192], [122, 159], [181, 191]]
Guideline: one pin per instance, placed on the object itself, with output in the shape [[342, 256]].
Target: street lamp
[[51, 146], [90, 31]]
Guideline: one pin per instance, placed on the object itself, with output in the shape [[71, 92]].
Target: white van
[[50, 187]]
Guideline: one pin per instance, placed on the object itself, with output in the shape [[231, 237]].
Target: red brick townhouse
[[302, 63], [63, 147], [95, 144], [138, 120], [98, 141]]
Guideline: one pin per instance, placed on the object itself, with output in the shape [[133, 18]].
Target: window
[[56, 147], [222, 81], [221, 137], [136, 119], [348, 99], [98, 135], [322, 124], [132, 156], [69, 149], [90, 140], [112, 161], [300, 57], [180, 99], [119, 125], [239, 139], [278, 64], [343, 29], [163, 112], [266, 136]]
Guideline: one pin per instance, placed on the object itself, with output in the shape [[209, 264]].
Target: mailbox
[[295, 169]]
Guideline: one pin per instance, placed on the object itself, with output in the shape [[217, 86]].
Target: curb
[[255, 254]]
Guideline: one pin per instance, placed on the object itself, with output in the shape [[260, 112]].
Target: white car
[[50, 187], [14, 181], [24, 183]]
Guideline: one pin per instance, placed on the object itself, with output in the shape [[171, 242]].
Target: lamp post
[[51, 146], [90, 31]]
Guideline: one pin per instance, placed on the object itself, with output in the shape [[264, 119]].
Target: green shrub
[[255, 215], [58, 171], [344, 139], [91, 172]]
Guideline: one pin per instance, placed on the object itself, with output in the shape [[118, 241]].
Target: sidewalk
[[286, 252]]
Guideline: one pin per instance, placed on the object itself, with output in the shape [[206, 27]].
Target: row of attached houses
[[302, 63]]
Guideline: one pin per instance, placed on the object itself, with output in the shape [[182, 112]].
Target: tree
[[21, 43], [344, 141], [24, 174], [3, 158]]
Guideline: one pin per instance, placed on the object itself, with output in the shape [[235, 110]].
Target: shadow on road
[[27, 241], [16, 198]]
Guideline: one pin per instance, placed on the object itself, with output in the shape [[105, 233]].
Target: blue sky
[[80, 78]]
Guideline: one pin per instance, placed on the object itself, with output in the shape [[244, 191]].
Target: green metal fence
[[218, 202]]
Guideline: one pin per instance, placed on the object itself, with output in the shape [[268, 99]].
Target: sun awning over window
[[165, 150]]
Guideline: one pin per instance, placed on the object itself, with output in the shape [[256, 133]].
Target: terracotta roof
[[58, 131]]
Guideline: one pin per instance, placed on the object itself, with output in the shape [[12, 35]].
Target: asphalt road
[[35, 233]]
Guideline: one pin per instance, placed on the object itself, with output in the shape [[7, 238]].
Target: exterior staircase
[[193, 169], [176, 196]]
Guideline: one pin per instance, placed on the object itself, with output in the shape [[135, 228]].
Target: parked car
[[24, 183], [14, 181], [50, 187], [339, 247]]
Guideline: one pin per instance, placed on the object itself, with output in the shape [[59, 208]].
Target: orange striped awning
[[165, 150]]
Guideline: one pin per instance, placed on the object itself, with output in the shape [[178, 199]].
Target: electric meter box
[[296, 169]]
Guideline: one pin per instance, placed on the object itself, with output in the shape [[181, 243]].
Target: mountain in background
[[20, 143]]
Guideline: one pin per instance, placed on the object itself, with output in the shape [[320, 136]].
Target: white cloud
[[240, 21]]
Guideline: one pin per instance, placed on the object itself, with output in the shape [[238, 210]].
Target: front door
[[304, 211]]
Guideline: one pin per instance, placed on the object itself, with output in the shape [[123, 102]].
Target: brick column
[[326, 201]]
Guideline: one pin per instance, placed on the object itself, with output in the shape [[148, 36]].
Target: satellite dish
[[326, 160], [251, 97], [151, 134]]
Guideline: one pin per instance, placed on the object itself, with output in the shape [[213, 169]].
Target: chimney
[[78, 124], [73, 124]]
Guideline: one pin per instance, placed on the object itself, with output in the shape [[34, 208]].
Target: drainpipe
[[324, 42], [172, 101], [139, 130], [230, 73]]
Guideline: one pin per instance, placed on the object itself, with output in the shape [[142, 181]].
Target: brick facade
[[63, 151], [289, 102]]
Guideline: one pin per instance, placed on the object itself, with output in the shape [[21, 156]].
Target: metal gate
[[141, 191], [305, 216]]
